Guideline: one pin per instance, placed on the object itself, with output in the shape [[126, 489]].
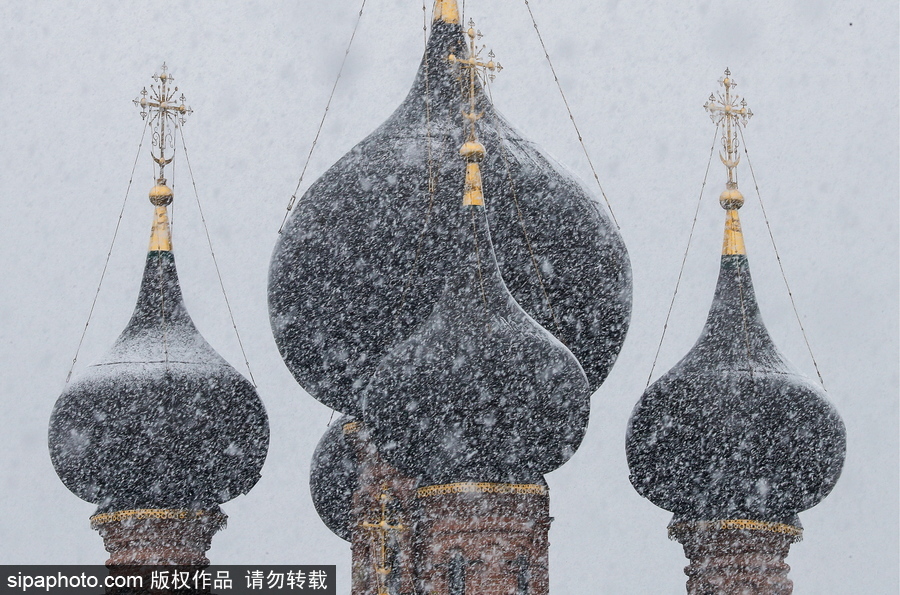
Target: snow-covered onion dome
[[733, 431], [162, 421], [363, 258], [334, 477], [480, 392]]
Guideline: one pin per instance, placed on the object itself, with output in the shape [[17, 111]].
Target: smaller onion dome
[[334, 477], [480, 391], [734, 431], [162, 421]]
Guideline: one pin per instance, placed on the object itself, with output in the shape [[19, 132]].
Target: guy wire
[[108, 254], [213, 254], [780, 265], [571, 117], [322, 121], [687, 248]]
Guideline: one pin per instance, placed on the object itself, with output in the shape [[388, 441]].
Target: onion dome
[[734, 431], [162, 421], [363, 257], [480, 391], [334, 477]]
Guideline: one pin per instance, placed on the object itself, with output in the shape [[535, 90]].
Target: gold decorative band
[[352, 426], [151, 513], [740, 524], [471, 487]]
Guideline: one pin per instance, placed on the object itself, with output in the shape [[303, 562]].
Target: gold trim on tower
[[153, 513], [471, 487], [447, 11], [736, 524], [382, 527], [351, 427]]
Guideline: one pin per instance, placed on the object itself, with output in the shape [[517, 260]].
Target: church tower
[[458, 297], [734, 440], [161, 430]]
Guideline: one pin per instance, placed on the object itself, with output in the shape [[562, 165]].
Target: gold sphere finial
[[472, 151], [161, 195], [731, 198]]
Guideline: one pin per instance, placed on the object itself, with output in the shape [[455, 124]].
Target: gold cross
[[383, 527], [475, 68], [158, 103], [727, 109]]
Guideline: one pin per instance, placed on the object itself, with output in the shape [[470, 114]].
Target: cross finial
[[476, 70], [159, 104], [729, 111], [472, 150], [383, 527]]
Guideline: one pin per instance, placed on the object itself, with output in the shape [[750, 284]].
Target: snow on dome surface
[[480, 392], [364, 255], [162, 421], [734, 431]]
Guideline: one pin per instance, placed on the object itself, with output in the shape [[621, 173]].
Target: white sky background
[[823, 141]]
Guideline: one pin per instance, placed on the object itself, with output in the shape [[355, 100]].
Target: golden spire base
[[161, 235], [473, 194], [447, 11], [734, 237]]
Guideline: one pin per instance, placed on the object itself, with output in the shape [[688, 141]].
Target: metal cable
[[322, 121], [213, 254], [108, 255], [571, 116], [780, 265], [684, 258]]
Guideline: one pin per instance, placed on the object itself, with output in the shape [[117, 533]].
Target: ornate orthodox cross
[[383, 528], [159, 105], [727, 109], [476, 68]]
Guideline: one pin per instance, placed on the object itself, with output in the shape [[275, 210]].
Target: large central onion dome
[[364, 256], [161, 422], [480, 392], [734, 431]]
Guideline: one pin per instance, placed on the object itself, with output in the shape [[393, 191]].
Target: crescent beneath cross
[[729, 163]]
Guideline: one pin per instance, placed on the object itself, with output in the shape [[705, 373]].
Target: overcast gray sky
[[820, 76]]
